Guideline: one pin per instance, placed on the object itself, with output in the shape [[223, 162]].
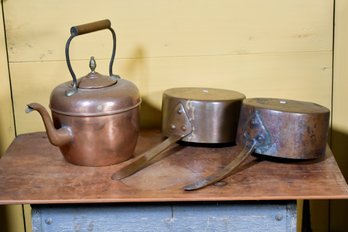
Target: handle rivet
[[183, 128], [48, 221], [173, 126], [279, 217]]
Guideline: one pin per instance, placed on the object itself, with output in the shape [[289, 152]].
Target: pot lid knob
[[95, 80], [92, 64]]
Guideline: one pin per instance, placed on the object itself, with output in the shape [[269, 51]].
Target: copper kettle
[[96, 117]]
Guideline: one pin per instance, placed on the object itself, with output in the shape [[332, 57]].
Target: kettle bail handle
[[84, 29]]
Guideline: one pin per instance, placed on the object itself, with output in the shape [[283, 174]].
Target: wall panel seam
[[8, 68], [332, 91]]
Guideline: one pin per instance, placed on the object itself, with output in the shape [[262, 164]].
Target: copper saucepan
[[278, 128], [195, 115]]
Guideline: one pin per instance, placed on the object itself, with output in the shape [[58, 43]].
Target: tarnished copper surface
[[95, 118], [117, 98], [102, 140], [34, 172], [285, 128], [276, 127], [213, 113], [93, 141]]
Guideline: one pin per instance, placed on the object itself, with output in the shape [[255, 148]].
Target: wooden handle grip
[[90, 27]]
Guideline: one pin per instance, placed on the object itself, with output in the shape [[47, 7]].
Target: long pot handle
[[256, 136], [226, 171], [181, 127], [84, 29], [144, 159]]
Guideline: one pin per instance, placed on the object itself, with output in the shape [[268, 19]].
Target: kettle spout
[[57, 137]]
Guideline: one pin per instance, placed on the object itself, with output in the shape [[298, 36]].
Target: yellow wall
[[270, 49], [339, 209], [10, 216], [261, 48], [7, 130]]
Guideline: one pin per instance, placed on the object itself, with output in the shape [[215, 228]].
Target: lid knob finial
[[92, 64]]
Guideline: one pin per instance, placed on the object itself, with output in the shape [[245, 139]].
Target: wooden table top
[[34, 172]]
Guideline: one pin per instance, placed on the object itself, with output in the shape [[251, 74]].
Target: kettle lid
[[96, 95], [95, 80]]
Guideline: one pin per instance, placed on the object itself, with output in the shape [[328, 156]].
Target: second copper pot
[[212, 113], [284, 128]]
